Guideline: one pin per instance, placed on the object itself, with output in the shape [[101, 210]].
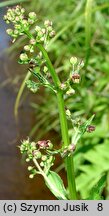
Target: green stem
[[49, 65], [63, 121], [65, 137], [64, 127]]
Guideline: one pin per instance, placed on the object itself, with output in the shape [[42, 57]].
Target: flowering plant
[[42, 153]]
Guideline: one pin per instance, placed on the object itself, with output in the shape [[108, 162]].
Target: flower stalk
[[42, 153]]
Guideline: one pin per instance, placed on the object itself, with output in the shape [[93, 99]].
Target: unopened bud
[[37, 28], [32, 41], [76, 78], [68, 113], [47, 23], [27, 160], [52, 34], [42, 164], [9, 31], [71, 147], [44, 157], [90, 128], [70, 91], [30, 168], [32, 15], [37, 154], [31, 176], [23, 57], [27, 48], [45, 69], [73, 60]]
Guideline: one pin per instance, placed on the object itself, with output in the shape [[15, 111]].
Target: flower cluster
[[38, 151], [74, 77], [68, 150], [76, 66], [22, 24], [16, 16]]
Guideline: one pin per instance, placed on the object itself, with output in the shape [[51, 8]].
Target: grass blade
[[20, 94], [11, 2], [88, 20]]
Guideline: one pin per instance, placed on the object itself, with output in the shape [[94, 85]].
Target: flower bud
[[68, 113], [23, 57], [70, 91], [32, 41], [30, 168], [50, 29], [16, 32], [43, 30], [31, 176], [37, 154], [32, 15], [90, 128], [73, 60], [44, 157], [45, 69], [9, 31], [52, 34], [27, 160], [47, 23], [76, 78], [27, 48], [42, 164], [22, 10], [33, 144], [17, 18], [37, 28], [63, 86], [71, 147]]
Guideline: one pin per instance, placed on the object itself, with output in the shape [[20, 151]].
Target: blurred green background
[[82, 30]]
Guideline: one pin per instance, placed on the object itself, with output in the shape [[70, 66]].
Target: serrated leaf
[[96, 191], [56, 186]]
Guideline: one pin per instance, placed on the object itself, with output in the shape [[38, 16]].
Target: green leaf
[[96, 191], [84, 126], [32, 86], [81, 130], [56, 186]]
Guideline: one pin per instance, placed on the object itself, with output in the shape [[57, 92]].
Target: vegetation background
[[82, 28]]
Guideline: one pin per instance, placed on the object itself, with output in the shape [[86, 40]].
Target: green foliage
[[97, 190], [94, 166], [11, 2], [56, 186], [81, 27]]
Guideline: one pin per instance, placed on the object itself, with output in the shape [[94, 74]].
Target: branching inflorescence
[[35, 55]]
